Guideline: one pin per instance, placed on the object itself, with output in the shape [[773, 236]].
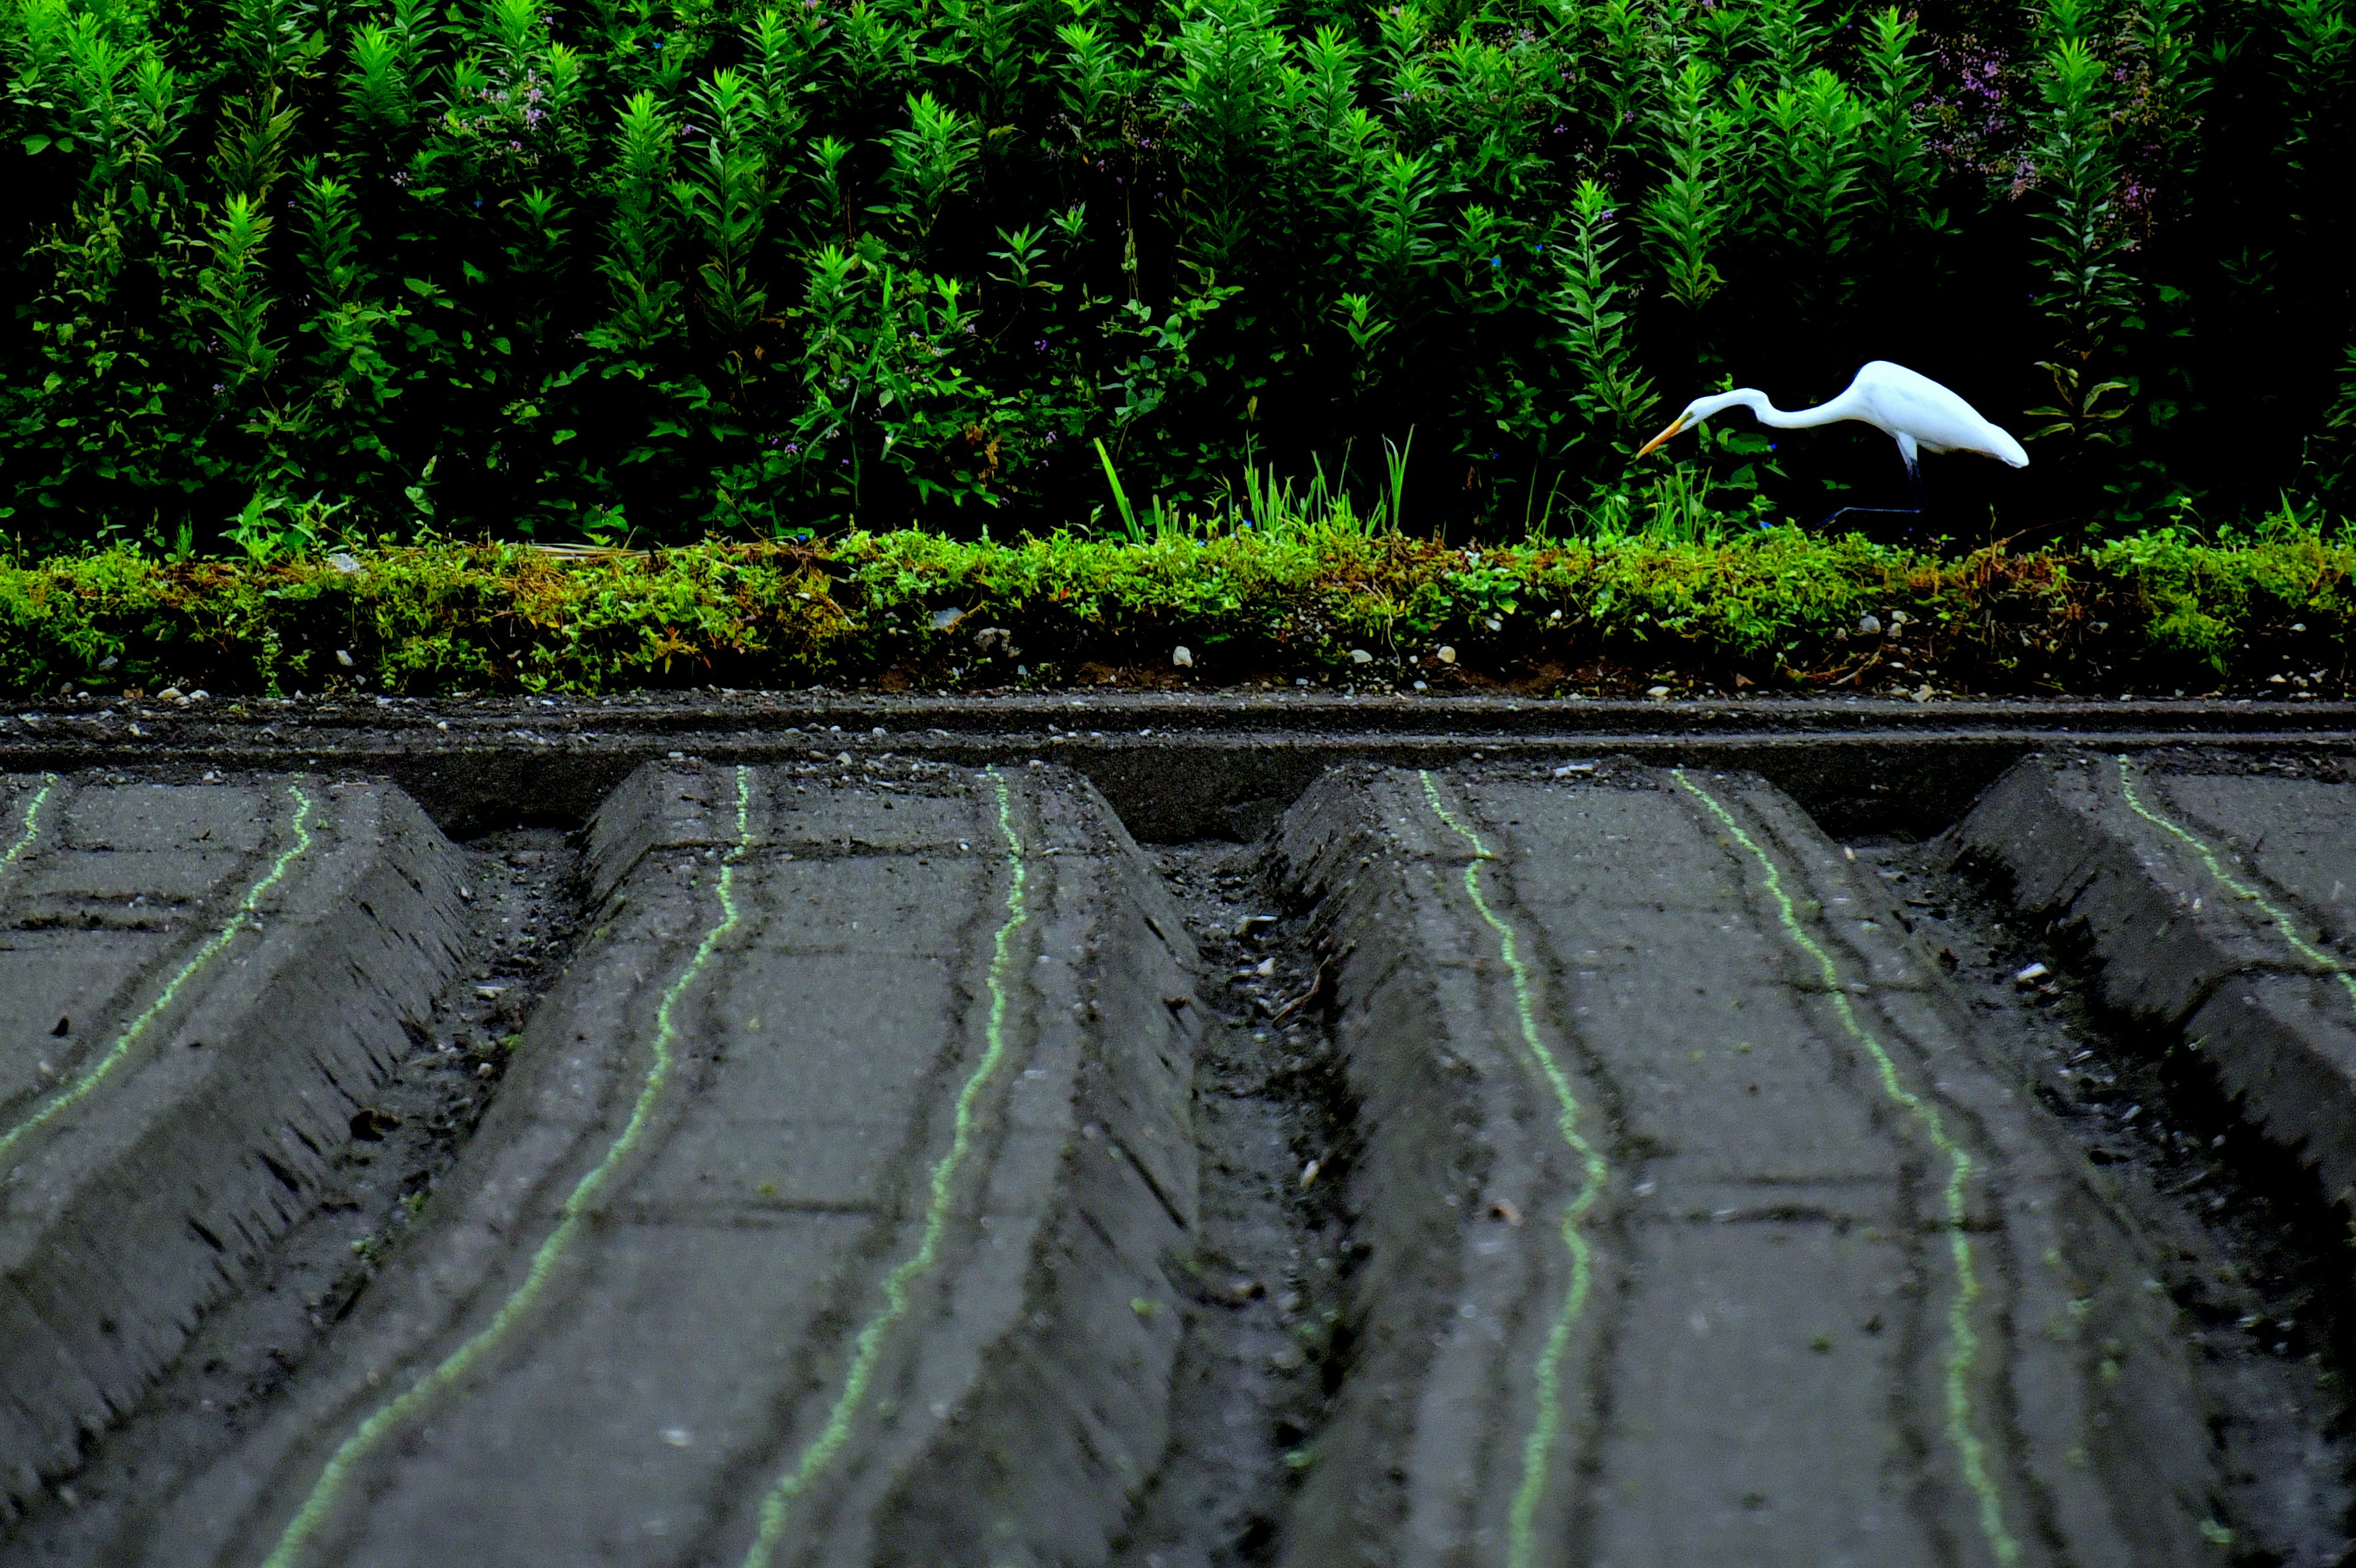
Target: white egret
[[1913, 410]]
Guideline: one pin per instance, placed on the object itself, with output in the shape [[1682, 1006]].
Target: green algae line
[[120, 1050], [397, 1412], [1546, 1425], [2282, 923], [1962, 1340], [32, 820], [776, 1508]]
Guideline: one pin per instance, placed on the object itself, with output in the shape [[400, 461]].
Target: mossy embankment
[[1772, 610]]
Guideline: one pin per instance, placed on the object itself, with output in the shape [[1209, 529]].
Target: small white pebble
[[1183, 657], [1447, 655]]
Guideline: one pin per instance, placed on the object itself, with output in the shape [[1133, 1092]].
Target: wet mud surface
[[521, 906], [1264, 1292], [855, 1153], [2238, 1234]]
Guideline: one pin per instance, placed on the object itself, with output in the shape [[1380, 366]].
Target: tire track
[[120, 1049], [1537, 1448], [389, 1417], [777, 1506], [1963, 1339]]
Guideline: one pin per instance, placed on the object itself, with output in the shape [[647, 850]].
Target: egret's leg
[[1914, 481]]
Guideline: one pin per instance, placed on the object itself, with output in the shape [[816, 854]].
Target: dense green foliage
[[1781, 610], [656, 267]]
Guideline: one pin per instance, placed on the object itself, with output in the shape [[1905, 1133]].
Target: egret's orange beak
[[1675, 425]]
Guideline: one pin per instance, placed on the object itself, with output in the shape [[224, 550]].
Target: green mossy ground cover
[[1773, 611]]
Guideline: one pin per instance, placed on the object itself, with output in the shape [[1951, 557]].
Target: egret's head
[[1698, 411], [1677, 424]]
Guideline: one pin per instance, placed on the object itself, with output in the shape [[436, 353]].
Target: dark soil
[[2248, 1250], [1272, 1120], [525, 906]]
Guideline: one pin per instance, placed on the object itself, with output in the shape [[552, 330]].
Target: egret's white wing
[[1936, 418]]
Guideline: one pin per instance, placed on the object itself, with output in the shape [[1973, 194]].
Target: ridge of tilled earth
[[2218, 894], [821, 1219], [201, 985], [1700, 1227], [841, 1204]]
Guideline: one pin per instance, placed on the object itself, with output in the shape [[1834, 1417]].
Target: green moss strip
[[1779, 609], [2281, 922]]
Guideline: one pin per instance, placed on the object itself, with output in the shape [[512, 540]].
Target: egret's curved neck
[[1755, 399]]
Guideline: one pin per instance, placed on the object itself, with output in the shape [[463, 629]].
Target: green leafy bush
[[648, 268]]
